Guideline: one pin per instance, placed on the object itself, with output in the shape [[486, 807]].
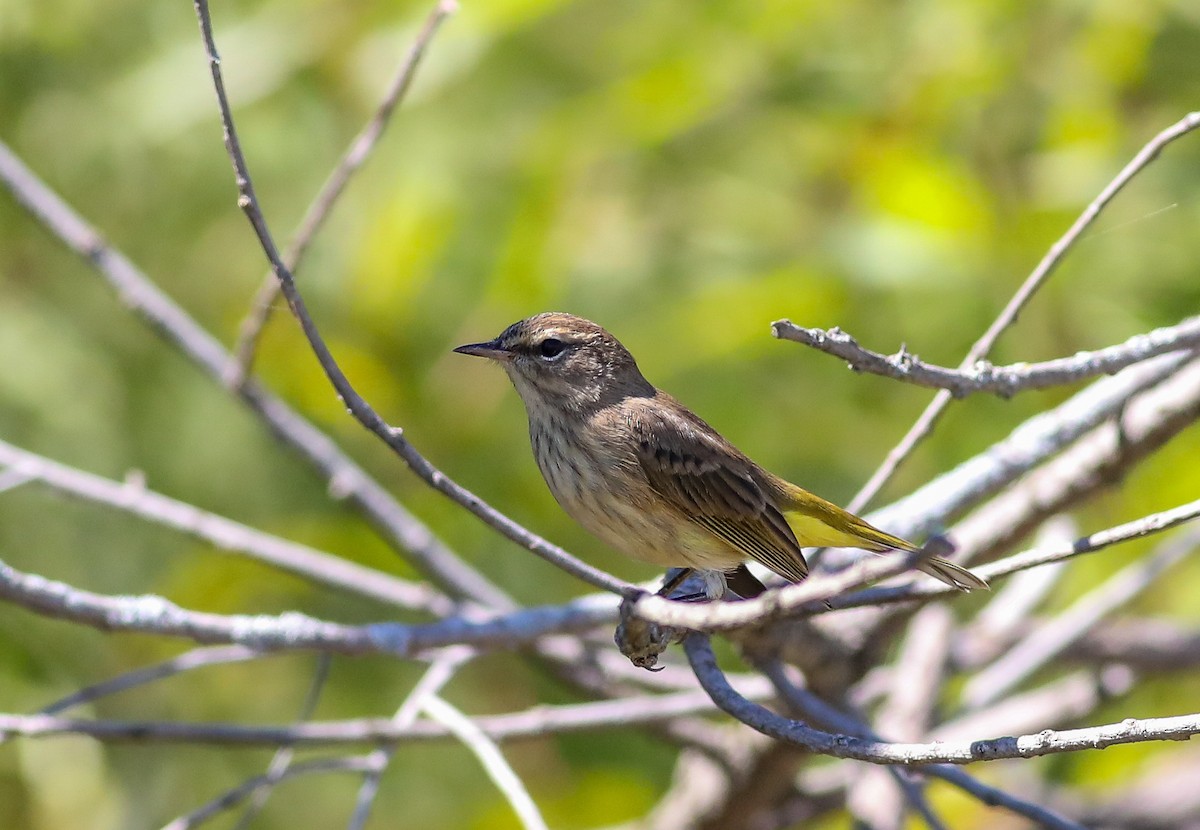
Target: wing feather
[[704, 478]]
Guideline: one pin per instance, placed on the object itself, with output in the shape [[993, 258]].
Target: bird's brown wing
[[691, 466]]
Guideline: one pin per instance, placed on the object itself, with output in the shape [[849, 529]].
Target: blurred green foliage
[[683, 172]]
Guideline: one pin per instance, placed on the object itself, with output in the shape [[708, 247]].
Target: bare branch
[[1147, 525], [346, 479], [489, 755], [437, 676], [812, 708], [225, 534], [284, 755], [1004, 381], [537, 722], [1050, 640], [1145, 645], [877, 797], [1063, 701], [822, 593], [294, 631], [1145, 423], [355, 403], [1163, 796], [1011, 607], [1027, 446], [232, 798], [1097, 461], [811, 596], [197, 658], [155, 615], [920, 671], [929, 418], [548, 628], [10, 479], [1047, 742], [318, 211]]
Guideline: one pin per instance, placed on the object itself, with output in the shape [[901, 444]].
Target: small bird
[[646, 475]]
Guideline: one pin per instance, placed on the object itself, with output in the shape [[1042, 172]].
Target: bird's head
[[563, 362]]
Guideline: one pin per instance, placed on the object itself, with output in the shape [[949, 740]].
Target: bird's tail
[[819, 523], [952, 574]]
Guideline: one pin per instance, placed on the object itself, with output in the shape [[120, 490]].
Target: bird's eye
[[551, 347]]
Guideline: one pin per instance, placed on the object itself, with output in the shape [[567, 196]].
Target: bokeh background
[[683, 173]]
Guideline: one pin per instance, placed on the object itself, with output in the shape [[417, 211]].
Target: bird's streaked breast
[[604, 488]]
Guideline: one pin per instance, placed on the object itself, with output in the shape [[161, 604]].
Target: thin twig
[[152, 614], [1004, 381], [492, 759], [231, 798], [346, 480], [820, 594], [1011, 607], [194, 659], [319, 209], [285, 755], [928, 419], [225, 534], [1051, 639], [436, 676], [1163, 796], [1096, 462], [815, 592], [1035, 557], [197, 658], [1145, 645], [634, 711], [362, 411]]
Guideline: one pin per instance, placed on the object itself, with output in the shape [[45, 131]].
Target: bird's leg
[[715, 587], [674, 582], [679, 578], [714, 583]]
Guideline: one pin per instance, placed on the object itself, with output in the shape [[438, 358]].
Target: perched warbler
[[647, 476]]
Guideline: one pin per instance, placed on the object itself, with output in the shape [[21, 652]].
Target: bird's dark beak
[[491, 350]]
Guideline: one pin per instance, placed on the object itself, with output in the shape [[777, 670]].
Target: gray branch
[[345, 478], [294, 631], [815, 710], [1032, 443], [983, 346], [251, 329], [1004, 381], [225, 534], [1047, 742], [632, 711]]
